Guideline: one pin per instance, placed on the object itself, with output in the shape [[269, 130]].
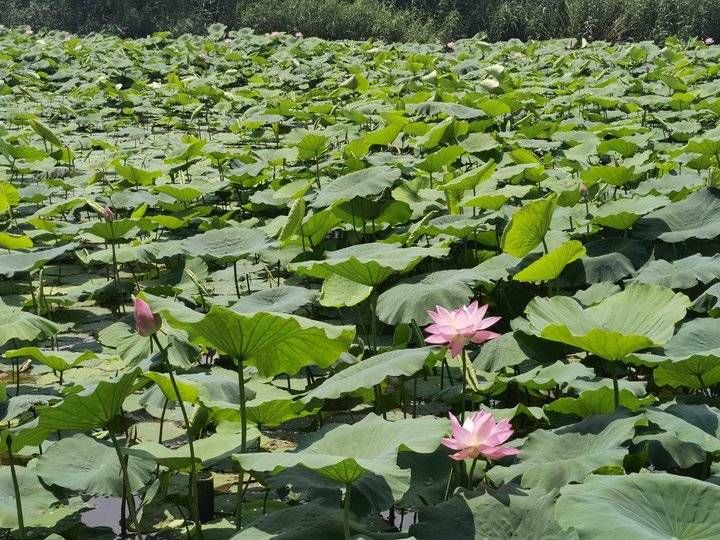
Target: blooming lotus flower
[[450, 45], [709, 41], [299, 34], [146, 322], [459, 327], [479, 436], [108, 215]]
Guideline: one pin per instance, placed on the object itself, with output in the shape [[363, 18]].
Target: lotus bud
[[146, 322], [583, 190], [108, 215]]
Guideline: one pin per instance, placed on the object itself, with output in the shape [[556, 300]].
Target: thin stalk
[[616, 388], [194, 513], [346, 512], [235, 275], [114, 255], [128, 493], [243, 440], [16, 488], [470, 474], [463, 359]]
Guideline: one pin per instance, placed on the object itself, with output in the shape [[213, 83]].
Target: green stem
[[373, 321], [616, 388], [114, 255], [346, 512], [243, 440], [194, 512], [235, 275], [470, 474], [126, 481], [462, 393], [16, 487]]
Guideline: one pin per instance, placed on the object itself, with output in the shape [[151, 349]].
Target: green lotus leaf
[[519, 514], [15, 241], [338, 291], [274, 342], [640, 506], [690, 359], [552, 459], [623, 213], [609, 174], [270, 407], [550, 266], [94, 407], [556, 374], [695, 424], [368, 264], [16, 406], [13, 263], [21, 325], [362, 183], [40, 507], [412, 298], [470, 179], [528, 226], [55, 360], [294, 219], [208, 451], [639, 317], [697, 216], [490, 198], [347, 452], [374, 370], [609, 259], [137, 176], [598, 401], [114, 231], [440, 159], [282, 299], [682, 273], [189, 391], [229, 243], [84, 464]]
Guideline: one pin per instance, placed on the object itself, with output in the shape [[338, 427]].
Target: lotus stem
[[194, 514], [243, 417], [16, 488], [235, 275], [463, 359], [616, 388], [127, 492], [346, 512], [470, 474]]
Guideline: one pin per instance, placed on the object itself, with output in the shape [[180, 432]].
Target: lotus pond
[[277, 287]]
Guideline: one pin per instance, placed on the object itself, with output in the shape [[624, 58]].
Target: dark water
[[106, 513]]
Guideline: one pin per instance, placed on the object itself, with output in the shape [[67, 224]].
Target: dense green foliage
[[285, 211], [391, 20]]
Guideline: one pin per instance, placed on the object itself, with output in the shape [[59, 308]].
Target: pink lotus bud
[[583, 190], [108, 215], [146, 322]]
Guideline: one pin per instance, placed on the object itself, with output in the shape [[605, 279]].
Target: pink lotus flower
[[479, 436], [146, 322], [450, 45], [459, 327], [276, 33], [709, 41], [298, 34], [108, 215]]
